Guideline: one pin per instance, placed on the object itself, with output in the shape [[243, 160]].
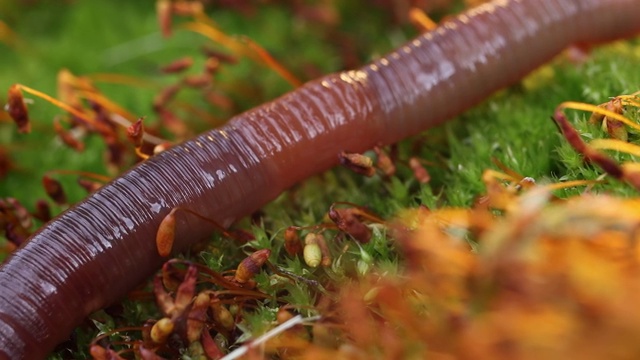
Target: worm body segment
[[97, 251]]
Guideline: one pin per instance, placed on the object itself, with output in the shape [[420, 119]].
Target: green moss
[[513, 126]]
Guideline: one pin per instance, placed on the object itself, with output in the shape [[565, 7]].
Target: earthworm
[[98, 250]]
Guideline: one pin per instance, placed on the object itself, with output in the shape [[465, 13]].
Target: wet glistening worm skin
[[97, 251]]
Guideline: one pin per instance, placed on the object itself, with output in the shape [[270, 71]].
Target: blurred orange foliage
[[549, 279]]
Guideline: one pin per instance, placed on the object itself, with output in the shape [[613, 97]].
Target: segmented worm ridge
[[91, 255]]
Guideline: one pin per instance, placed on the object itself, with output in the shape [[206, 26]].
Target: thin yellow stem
[[123, 79], [568, 184], [613, 144], [243, 46], [141, 154], [119, 117], [57, 103], [421, 20], [86, 174], [599, 110], [108, 104], [630, 100], [489, 174]]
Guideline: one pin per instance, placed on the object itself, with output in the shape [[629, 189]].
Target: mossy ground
[[122, 37]]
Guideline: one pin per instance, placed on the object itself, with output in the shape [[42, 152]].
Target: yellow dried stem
[[569, 184], [613, 144], [57, 103], [490, 175], [140, 154], [629, 100], [598, 110], [108, 104], [121, 79], [243, 46], [8, 36], [86, 174], [421, 20]]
